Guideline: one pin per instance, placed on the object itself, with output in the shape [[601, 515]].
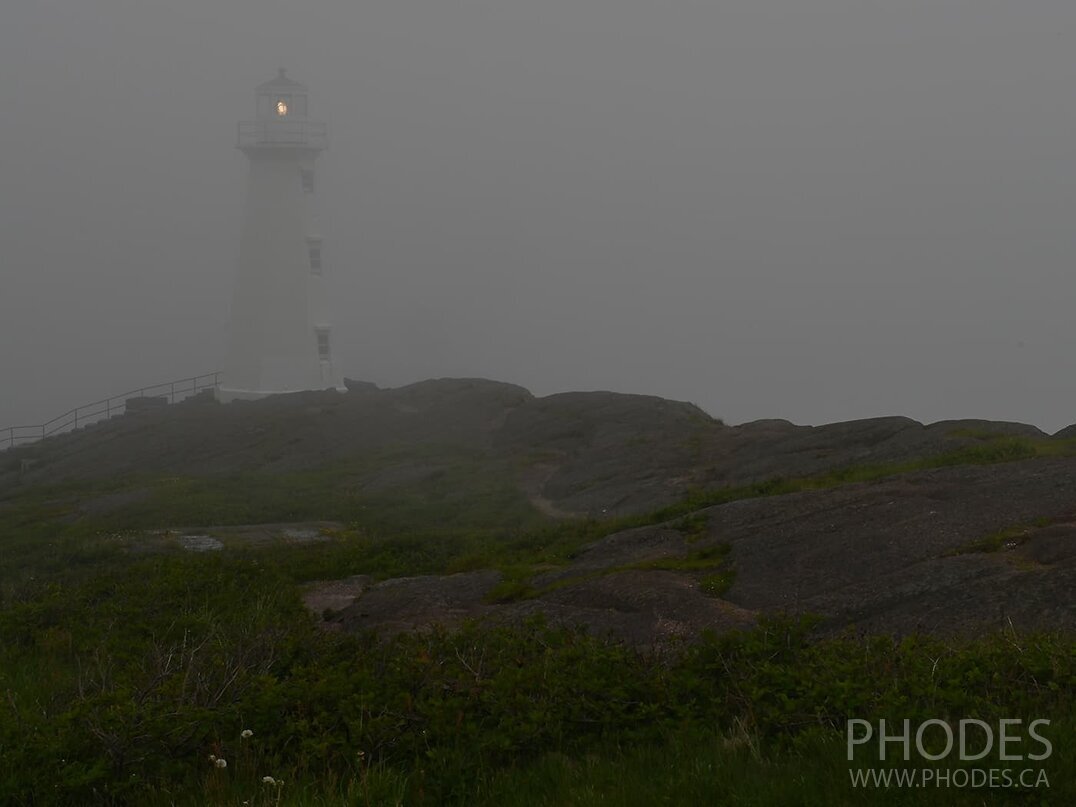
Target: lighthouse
[[280, 338]]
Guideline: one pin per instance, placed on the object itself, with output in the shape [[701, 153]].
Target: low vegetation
[[715, 585], [130, 671], [1009, 538]]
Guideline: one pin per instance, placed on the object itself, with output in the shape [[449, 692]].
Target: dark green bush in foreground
[[118, 689]]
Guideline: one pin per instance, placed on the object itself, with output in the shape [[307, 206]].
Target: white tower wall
[[280, 337]]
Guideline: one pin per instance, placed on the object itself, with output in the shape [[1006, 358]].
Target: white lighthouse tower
[[280, 338]]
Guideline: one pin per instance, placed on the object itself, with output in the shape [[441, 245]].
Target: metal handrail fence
[[105, 409]]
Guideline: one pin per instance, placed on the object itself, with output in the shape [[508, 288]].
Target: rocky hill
[[951, 551], [580, 453], [875, 525]]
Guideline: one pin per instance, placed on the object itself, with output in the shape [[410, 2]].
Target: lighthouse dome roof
[[281, 82]]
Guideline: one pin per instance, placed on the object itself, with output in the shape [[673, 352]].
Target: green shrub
[[716, 585]]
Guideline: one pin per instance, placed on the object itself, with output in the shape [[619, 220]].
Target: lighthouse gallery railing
[[300, 133]]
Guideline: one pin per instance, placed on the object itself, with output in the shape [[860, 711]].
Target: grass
[[718, 584], [514, 586], [1002, 539], [122, 669], [464, 514], [693, 527], [527, 715], [715, 768], [682, 767], [517, 584], [697, 560]]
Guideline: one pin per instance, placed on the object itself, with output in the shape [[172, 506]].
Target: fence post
[[172, 393], [76, 417]]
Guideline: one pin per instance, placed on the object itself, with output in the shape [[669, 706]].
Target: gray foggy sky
[[810, 209]]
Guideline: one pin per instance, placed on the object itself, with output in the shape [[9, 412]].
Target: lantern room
[[281, 98], [281, 119]]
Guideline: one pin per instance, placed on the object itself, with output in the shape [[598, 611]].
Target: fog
[[810, 209]]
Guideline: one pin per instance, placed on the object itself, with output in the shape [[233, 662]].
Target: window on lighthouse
[[323, 344], [281, 108]]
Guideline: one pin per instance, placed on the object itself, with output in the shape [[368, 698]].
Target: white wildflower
[[221, 763], [212, 757], [246, 733], [268, 780]]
